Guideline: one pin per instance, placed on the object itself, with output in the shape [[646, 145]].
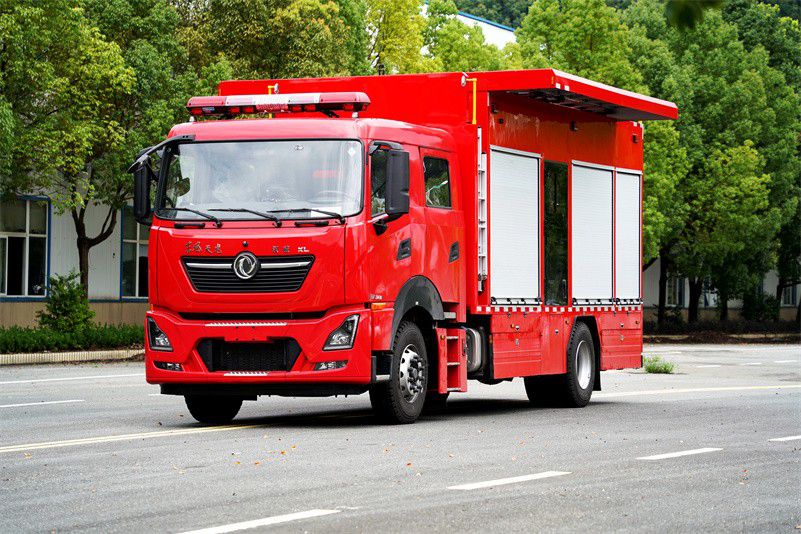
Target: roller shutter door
[[514, 226], [591, 233]]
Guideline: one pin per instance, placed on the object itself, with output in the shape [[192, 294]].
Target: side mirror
[[397, 187], [142, 178]]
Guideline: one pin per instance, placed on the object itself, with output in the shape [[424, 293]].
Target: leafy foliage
[[655, 364], [507, 12], [66, 308], [455, 46], [584, 37], [396, 36], [17, 339]]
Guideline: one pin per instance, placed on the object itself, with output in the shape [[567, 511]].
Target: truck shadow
[[360, 418]]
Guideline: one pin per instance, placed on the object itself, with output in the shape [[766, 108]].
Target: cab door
[[395, 249], [444, 228]]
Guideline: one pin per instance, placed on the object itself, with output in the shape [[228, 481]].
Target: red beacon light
[[227, 106]]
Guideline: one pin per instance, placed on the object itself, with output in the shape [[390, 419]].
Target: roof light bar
[[209, 106]]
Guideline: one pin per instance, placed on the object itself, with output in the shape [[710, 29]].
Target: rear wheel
[[400, 400], [213, 410], [573, 389]]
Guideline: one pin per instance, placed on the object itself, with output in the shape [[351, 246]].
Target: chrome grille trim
[[277, 274]]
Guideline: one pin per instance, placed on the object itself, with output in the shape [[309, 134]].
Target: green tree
[[507, 12], [584, 37], [729, 98], [396, 30], [282, 39], [455, 46], [61, 82]]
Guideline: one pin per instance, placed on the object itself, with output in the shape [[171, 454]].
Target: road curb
[[26, 358]]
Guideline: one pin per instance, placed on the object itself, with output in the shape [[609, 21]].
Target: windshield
[[294, 179]]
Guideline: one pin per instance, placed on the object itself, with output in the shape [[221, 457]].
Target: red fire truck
[[397, 235]]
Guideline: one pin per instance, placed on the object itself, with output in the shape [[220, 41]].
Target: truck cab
[[278, 248]]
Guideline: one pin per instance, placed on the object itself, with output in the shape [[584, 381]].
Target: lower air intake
[[277, 355]]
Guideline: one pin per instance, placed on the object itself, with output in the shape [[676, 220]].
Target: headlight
[[156, 336], [342, 337]]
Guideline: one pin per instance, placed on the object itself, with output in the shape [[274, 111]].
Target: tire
[[400, 400], [542, 390], [573, 389], [213, 410]]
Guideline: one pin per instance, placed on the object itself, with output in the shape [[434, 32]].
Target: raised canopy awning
[[566, 90]]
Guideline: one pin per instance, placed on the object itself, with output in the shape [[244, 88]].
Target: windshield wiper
[[217, 222], [268, 216], [338, 216]]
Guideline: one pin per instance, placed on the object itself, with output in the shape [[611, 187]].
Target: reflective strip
[[235, 323]]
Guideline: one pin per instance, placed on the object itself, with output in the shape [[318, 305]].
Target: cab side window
[[438, 183], [378, 181]]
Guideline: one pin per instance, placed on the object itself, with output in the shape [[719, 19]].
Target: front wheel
[[400, 400], [213, 410]]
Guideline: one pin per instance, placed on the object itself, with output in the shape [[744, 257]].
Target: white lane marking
[[788, 438], [256, 523], [41, 403], [751, 363], [707, 366], [167, 433], [785, 361], [680, 453], [68, 378], [120, 437], [694, 390], [511, 480]]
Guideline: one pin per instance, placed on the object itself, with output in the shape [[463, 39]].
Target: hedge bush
[[93, 336], [66, 308]]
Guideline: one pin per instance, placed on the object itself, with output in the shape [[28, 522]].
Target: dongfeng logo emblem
[[246, 265]]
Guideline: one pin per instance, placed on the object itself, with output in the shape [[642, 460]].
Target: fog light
[[168, 366], [342, 337], [330, 366], [156, 336]]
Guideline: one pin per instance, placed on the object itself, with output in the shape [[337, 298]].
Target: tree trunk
[[85, 243], [696, 286], [663, 276], [780, 290], [83, 262], [723, 304]]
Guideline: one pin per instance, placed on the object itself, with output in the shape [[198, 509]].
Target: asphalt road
[[94, 448]]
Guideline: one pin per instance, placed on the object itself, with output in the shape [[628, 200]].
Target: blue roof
[[485, 21]]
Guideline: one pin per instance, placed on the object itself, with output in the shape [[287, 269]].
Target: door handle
[[404, 249]]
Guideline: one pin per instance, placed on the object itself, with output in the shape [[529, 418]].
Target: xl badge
[[246, 265]]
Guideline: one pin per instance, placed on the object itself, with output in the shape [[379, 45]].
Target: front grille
[[276, 274], [278, 355]]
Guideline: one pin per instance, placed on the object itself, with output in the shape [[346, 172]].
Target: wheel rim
[[411, 374], [583, 365]]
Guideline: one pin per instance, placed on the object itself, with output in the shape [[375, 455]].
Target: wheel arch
[[419, 301], [592, 325]]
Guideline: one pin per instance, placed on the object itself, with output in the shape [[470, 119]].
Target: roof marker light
[[277, 103]]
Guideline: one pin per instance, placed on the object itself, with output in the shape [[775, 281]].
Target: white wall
[[494, 34], [104, 259], [651, 289]]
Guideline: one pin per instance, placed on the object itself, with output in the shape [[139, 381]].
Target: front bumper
[[186, 335]]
